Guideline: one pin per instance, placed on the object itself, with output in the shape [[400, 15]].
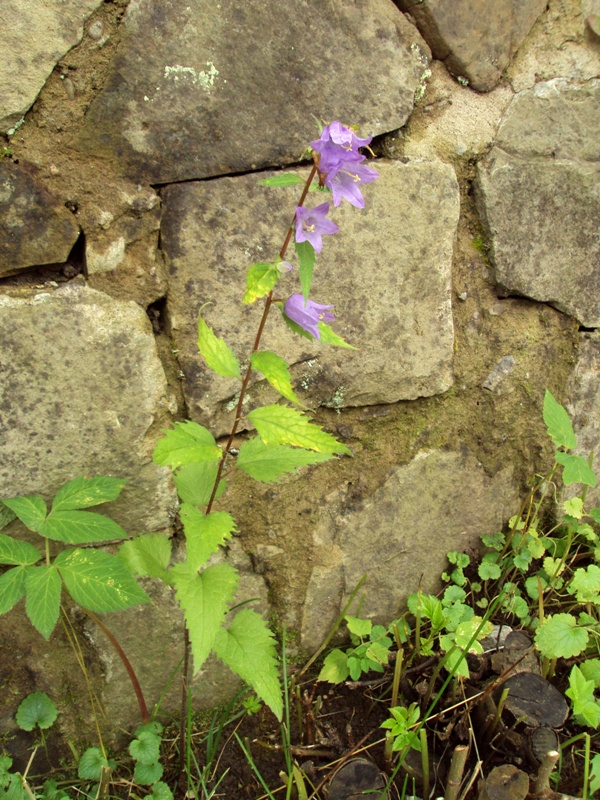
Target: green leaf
[[204, 533], [306, 258], [575, 469], [147, 555], [488, 569], [247, 646], [99, 581], [205, 600], [194, 482], [586, 584], [595, 764], [329, 336], [42, 597], [591, 670], [146, 748], [581, 691], [283, 425], [17, 553], [573, 507], [147, 774], [6, 515], [268, 463], [359, 627], [12, 588], [558, 423], [161, 791], [85, 492], [186, 443], [261, 278], [91, 763], [276, 371], [283, 179], [560, 637], [36, 709], [216, 353], [594, 513], [294, 327], [30, 510], [80, 527]]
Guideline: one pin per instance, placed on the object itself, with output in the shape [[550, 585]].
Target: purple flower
[[307, 314], [345, 181], [338, 144], [312, 224]]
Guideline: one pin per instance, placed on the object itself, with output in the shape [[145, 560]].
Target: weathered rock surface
[[540, 201], [387, 271], [474, 38], [216, 88], [35, 227], [398, 538], [583, 403], [82, 393], [33, 37]]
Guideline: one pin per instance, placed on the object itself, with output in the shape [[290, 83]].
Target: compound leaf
[[186, 443], [276, 371], [559, 426], [85, 492], [217, 354], [205, 600], [12, 588], [204, 533], [147, 555], [194, 482], [36, 709], [99, 581], [30, 510], [247, 646], [283, 425], [560, 637], [268, 462], [260, 280], [80, 527], [42, 597], [17, 553]]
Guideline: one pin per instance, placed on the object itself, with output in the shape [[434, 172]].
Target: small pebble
[[503, 368], [95, 30], [463, 296], [69, 88]]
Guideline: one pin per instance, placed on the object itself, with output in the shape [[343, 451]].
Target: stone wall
[[134, 137]]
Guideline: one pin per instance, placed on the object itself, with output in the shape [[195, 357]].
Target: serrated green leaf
[[17, 553], [261, 278], [161, 791], [573, 507], [294, 327], [247, 646], [488, 570], [147, 555], [276, 371], [217, 354], [12, 588], [575, 469], [267, 463], [42, 597], [194, 482], [283, 179], [560, 637], [559, 426], [205, 600], [30, 510], [581, 691], [306, 258], [594, 513], [146, 748], [283, 425], [585, 584], [329, 336], [359, 627], [85, 492], [6, 515], [595, 763], [99, 581], [36, 709], [147, 774], [204, 533], [186, 443], [91, 763], [591, 670], [80, 527]]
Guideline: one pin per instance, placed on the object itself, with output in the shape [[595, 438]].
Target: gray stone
[[83, 392], [474, 38], [501, 370], [391, 291], [399, 538], [214, 88], [539, 198], [33, 37], [583, 404], [35, 228]]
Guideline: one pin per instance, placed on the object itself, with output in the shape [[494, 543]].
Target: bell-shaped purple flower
[[312, 224], [345, 183], [307, 314], [338, 144]]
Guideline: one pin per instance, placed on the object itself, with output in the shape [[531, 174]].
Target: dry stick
[[236, 422], [547, 767], [457, 768]]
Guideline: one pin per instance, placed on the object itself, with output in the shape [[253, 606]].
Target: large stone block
[[474, 38], [33, 37], [83, 392], [399, 538], [214, 88], [539, 198], [387, 271]]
